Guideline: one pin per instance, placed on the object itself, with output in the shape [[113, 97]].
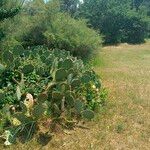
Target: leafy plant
[[52, 28], [41, 84]]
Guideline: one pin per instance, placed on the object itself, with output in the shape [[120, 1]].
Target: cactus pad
[[2, 68], [42, 97], [60, 75], [28, 69], [38, 111], [8, 57], [88, 114], [75, 82], [67, 64], [57, 95], [78, 106]]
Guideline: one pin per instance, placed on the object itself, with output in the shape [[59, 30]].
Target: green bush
[[38, 84], [119, 28], [116, 20], [53, 29], [70, 34]]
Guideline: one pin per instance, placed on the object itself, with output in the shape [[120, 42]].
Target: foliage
[[6, 12], [42, 85], [70, 6], [47, 26], [117, 20]]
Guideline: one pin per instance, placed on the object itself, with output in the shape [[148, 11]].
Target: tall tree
[[69, 6], [7, 12], [115, 20]]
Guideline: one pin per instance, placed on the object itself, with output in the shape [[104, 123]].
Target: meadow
[[124, 123]]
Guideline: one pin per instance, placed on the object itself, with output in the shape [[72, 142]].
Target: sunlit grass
[[124, 123]]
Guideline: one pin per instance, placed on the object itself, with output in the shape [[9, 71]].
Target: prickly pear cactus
[[57, 84]]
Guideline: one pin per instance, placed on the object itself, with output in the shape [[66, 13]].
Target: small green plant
[[42, 85], [120, 128]]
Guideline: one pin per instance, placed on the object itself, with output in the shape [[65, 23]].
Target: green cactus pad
[[56, 109], [47, 53], [17, 62], [48, 62], [69, 78], [69, 99], [43, 58], [67, 64], [70, 93], [42, 97], [60, 75], [27, 53], [22, 117], [2, 94], [38, 111], [75, 83], [78, 106], [71, 71], [88, 114], [63, 87], [40, 71], [18, 50], [7, 57], [2, 68], [85, 78], [57, 95], [23, 107], [28, 69], [60, 64]]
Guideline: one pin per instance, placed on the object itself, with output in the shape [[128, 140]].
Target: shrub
[[116, 20], [43, 86], [55, 30], [70, 34], [135, 29]]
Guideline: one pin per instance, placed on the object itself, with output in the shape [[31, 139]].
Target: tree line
[[115, 20]]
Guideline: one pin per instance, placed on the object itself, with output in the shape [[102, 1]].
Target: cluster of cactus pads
[[44, 83]]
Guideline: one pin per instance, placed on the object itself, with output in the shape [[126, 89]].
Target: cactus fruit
[[29, 101]]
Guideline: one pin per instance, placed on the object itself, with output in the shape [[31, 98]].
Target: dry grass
[[125, 122]]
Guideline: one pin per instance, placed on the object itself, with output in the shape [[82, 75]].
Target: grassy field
[[124, 124]]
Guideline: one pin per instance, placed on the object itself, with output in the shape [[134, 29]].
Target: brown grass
[[124, 124]]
